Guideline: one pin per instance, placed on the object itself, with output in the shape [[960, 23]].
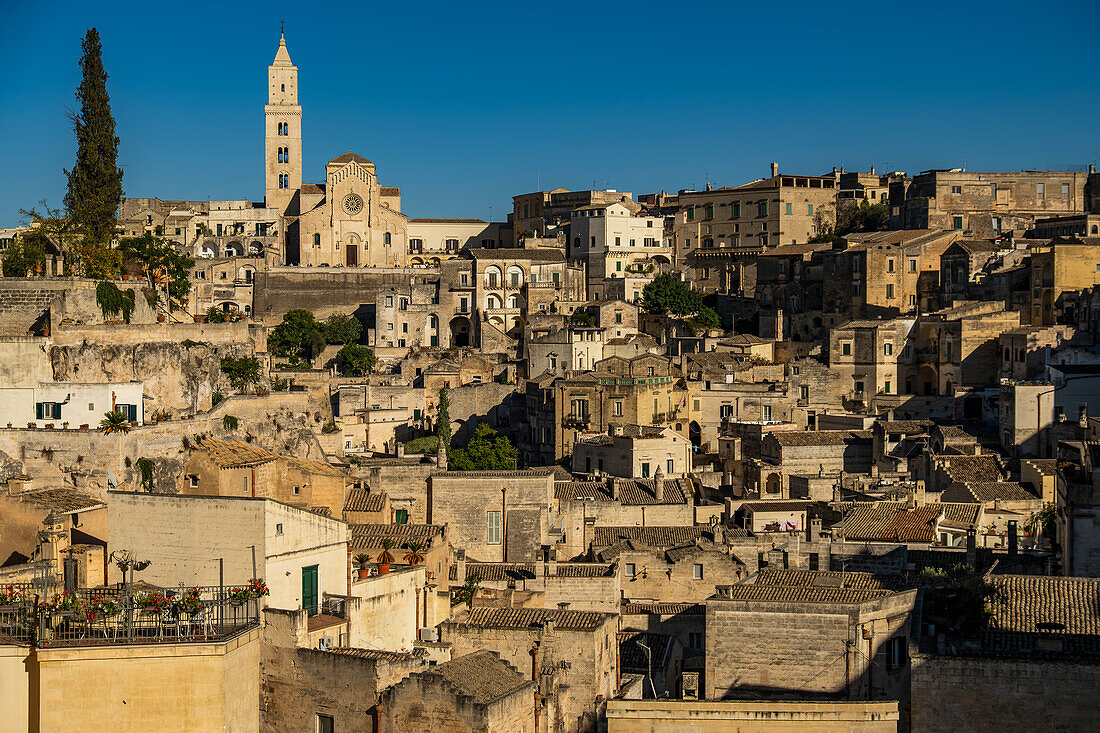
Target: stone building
[[784, 454], [716, 232], [1035, 656], [475, 692], [869, 360], [851, 638], [495, 516], [539, 213], [644, 390], [569, 349], [234, 468], [574, 655], [962, 268], [612, 241], [984, 204], [1058, 267], [685, 573], [581, 586], [433, 240], [633, 451], [884, 274]]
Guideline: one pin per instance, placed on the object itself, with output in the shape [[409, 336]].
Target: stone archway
[[460, 331], [351, 251]]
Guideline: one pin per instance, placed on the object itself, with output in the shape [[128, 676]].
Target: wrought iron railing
[[123, 615]]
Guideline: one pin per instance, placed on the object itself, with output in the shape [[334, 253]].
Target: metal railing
[[119, 615]]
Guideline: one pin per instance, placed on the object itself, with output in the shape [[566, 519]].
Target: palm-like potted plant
[[413, 556], [361, 560], [115, 422], [385, 557]]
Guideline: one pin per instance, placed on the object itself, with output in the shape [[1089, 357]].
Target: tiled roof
[[1043, 466], [323, 511], [984, 467], [799, 594], [501, 571], [370, 536], [663, 609], [983, 491], [310, 466], [829, 579], [59, 499], [546, 254], [956, 434], [480, 675], [632, 492], [1022, 601], [349, 157], [364, 500], [777, 506], [632, 657], [521, 473], [653, 536], [907, 427], [523, 618], [378, 653], [236, 453], [893, 521], [820, 437]]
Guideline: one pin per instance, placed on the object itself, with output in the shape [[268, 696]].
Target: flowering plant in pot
[[151, 602], [385, 557], [11, 596], [361, 560]]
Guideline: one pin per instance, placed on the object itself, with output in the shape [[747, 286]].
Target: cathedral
[[350, 219]]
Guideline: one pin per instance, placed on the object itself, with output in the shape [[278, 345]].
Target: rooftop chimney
[[775, 169], [1092, 167], [659, 484], [399, 448], [441, 456]]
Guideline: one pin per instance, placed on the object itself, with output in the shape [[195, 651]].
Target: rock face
[[180, 378]]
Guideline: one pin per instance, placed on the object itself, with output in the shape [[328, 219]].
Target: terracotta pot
[[160, 319], [363, 572], [198, 319], [383, 568], [84, 426]]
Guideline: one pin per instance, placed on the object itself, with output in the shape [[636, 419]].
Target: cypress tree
[[95, 182]]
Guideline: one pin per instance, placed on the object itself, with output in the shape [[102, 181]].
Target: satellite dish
[[111, 482]]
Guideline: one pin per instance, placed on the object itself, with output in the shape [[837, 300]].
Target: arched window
[[386, 239], [316, 240], [282, 87]]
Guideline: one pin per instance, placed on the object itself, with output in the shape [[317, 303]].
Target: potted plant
[[384, 557], [413, 557], [160, 318], [362, 559], [83, 426]]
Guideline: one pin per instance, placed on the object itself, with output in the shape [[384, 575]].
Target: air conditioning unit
[[429, 633], [325, 643]]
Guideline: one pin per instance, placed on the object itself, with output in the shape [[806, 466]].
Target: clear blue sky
[[464, 105]]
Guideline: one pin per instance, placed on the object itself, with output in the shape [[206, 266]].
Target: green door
[[309, 589]]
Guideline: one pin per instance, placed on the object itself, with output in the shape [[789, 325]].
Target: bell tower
[[283, 132]]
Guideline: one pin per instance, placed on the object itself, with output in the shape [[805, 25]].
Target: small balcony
[[576, 420]]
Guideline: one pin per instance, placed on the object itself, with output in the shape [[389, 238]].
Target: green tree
[[706, 319], [354, 360], [443, 422], [115, 422], [23, 255], [488, 450], [113, 302], [160, 262], [666, 294], [95, 182], [241, 372], [214, 314], [289, 337], [342, 328]]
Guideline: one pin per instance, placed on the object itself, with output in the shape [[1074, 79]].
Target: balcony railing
[[128, 616], [576, 419]]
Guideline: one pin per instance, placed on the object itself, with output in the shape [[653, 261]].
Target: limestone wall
[[324, 290], [658, 716], [194, 687], [988, 694]]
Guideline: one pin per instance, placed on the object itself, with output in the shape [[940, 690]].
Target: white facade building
[[70, 403], [615, 244]]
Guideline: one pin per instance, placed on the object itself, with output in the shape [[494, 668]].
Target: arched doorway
[[972, 407], [351, 251], [460, 331], [928, 382], [774, 484], [234, 249]]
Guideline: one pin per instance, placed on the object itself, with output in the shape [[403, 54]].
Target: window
[[130, 411], [630, 570], [912, 265], [493, 528], [886, 387], [47, 411], [389, 301], [766, 412], [803, 392], [956, 189], [855, 265], [895, 653], [193, 481], [645, 470], [736, 211], [297, 490], [888, 348], [618, 408], [325, 724], [316, 240], [401, 516], [724, 410], [762, 208], [670, 466], [1040, 191], [912, 300], [697, 571], [695, 640], [691, 213], [889, 291], [1065, 192], [278, 529], [789, 209], [890, 265], [846, 349], [386, 238], [619, 266], [814, 562], [710, 211], [859, 387], [957, 222]]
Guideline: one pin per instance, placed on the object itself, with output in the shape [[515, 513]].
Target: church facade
[[350, 220]]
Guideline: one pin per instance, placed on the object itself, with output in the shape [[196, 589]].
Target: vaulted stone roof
[[481, 676]]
